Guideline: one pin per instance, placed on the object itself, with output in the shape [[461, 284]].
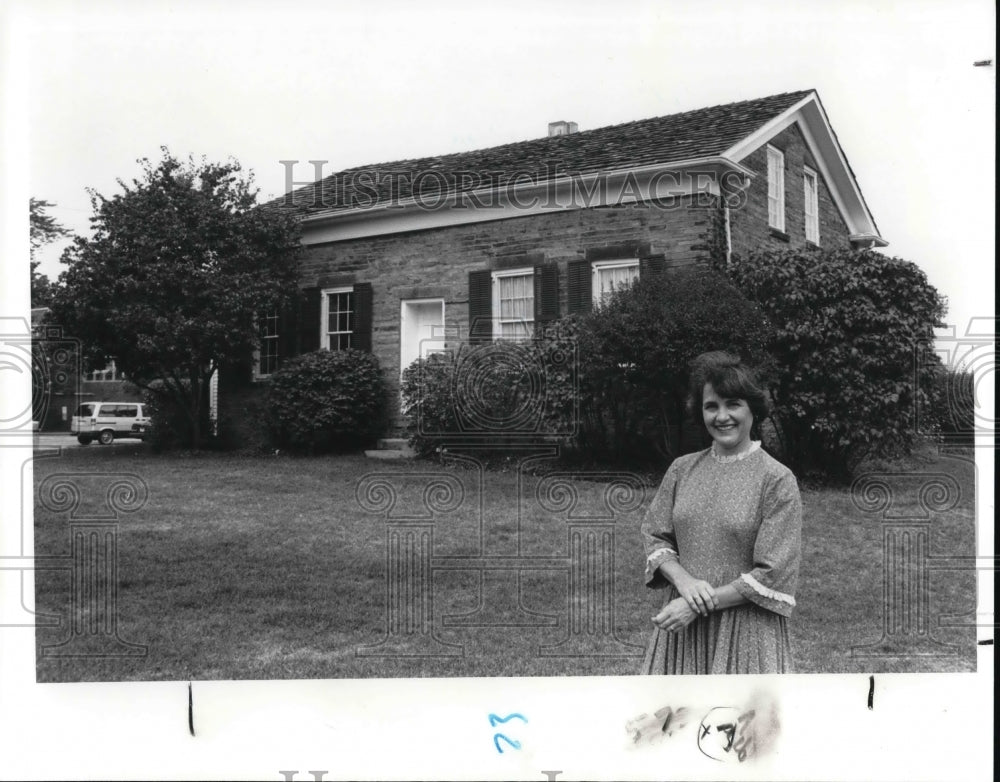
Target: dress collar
[[735, 457]]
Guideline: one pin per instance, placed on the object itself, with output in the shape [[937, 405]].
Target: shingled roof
[[689, 135]]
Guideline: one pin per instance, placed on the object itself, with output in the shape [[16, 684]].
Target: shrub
[[327, 401], [851, 349], [635, 354], [243, 416], [170, 419], [607, 387], [492, 395]]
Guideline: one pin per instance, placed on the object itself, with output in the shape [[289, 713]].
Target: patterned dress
[[728, 520]]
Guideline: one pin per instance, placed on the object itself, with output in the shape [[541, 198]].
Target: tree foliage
[[852, 351], [636, 350], [43, 229], [327, 400], [179, 266]]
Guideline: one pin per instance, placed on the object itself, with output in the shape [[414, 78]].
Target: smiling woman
[[723, 535]]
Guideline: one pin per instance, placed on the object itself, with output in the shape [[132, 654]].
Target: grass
[[268, 568]]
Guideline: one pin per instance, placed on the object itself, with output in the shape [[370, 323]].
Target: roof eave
[[713, 167], [874, 240]]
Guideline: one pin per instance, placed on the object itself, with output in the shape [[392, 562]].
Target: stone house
[[405, 257]]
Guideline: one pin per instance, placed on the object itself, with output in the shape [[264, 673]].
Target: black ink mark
[[730, 730], [871, 692], [496, 742], [190, 709], [986, 642], [745, 743]]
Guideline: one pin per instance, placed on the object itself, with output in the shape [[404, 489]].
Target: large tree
[[44, 229], [181, 265]]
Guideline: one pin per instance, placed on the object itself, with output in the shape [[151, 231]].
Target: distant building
[[58, 383]]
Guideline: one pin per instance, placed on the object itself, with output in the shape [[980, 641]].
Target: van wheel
[[83, 440], [107, 437]]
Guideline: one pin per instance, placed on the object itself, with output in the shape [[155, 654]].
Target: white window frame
[[324, 323], [258, 353], [598, 266], [775, 188], [810, 187], [498, 320]]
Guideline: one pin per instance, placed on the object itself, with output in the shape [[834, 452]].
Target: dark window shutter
[[652, 264], [310, 312], [480, 306], [288, 333], [361, 339], [578, 287], [546, 292]]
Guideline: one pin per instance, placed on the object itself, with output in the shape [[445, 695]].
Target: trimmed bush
[[499, 393], [327, 401], [852, 350]]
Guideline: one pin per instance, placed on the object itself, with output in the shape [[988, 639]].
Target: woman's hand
[[675, 616], [699, 595]]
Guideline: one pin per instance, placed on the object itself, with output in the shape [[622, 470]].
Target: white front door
[[421, 329]]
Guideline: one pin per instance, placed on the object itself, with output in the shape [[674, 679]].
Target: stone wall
[[748, 223]]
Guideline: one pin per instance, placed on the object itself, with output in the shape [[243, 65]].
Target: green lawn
[[269, 568]]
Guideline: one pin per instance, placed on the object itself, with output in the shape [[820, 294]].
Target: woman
[[723, 535]]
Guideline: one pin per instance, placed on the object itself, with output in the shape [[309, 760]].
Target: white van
[[104, 421]]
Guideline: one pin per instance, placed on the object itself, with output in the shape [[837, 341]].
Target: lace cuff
[[658, 557], [763, 591], [654, 578]]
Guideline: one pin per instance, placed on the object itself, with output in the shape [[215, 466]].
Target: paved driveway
[[66, 440]]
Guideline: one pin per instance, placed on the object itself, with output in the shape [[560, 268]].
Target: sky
[[87, 88]]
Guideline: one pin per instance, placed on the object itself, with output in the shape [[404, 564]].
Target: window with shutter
[[338, 318], [267, 356], [775, 189], [609, 276], [514, 304], [811, 187]]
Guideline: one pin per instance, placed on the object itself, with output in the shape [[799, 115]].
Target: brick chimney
[[561, 128]]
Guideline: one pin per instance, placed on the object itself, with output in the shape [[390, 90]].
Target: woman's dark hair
[[731, 379]]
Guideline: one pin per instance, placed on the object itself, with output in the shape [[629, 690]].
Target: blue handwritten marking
[[496, 742], [494, 719]]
